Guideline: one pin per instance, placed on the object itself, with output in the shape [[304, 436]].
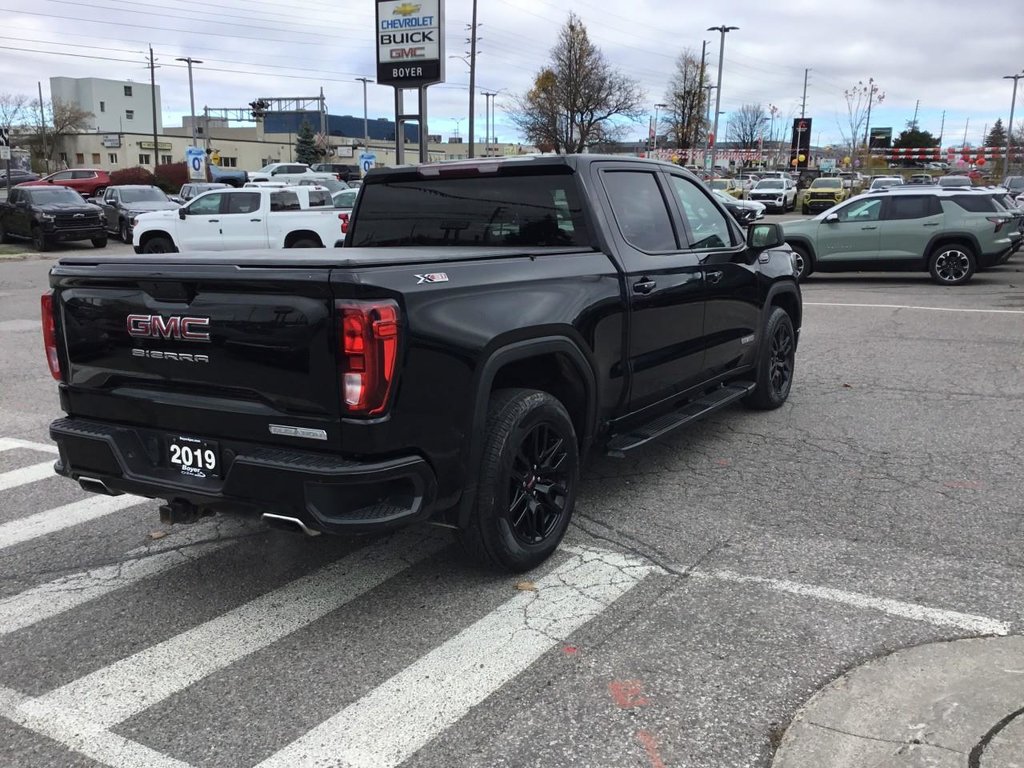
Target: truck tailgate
[[210, 349]]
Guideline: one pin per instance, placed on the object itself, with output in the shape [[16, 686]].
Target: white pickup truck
[[241, 219], [291, 173]]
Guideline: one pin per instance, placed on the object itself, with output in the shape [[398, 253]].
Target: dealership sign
[[410, 42]]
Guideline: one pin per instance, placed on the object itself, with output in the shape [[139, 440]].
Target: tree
[[687, 100], [912, 138], [859, 101], [56, 120], [577, 97], [746, 125], [997, 136], [12, 109], [305, 145]]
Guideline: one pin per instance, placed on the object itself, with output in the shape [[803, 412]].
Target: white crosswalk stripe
[[25, 475], [10, 443], [53, 520]]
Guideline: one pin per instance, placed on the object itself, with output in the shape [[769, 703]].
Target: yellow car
[[729, 186], [823, 194]]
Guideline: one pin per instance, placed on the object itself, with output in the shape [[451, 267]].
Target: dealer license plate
[[194, 457]]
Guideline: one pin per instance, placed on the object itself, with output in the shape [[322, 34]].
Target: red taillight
[[50, 335], [343, 217], [368, 351], [997, 220]]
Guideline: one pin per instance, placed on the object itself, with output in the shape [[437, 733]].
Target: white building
[[116, 105]]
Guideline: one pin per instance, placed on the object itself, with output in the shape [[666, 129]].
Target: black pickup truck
[[48, 215], [487, 326]]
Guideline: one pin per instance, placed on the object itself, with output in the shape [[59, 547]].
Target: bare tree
[[746, 126], [12, 109], [61, 119], [859, 100], [575, 98], [686, 99]]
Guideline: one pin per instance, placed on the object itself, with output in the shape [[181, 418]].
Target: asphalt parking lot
[[711, 583]]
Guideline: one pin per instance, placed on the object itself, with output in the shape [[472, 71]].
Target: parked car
[[920, 178], [240, 219], [48, 215], [823, 193], [745, 212], [18, 176], [344, 202], [233, 177], [937, 165], [88, 182], [332, 185], [956, 180], [122, 203], [196, 188], [747, 181], [778, 194], [730, 187], [940, 231], [289, 172], [884, 182], [344, 171], [418, 376], [1015, 185]]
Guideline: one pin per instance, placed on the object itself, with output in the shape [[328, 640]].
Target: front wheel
[[527, 484], [803, 266], [99, 242], [158, 245], [305, 242], [4, 237], [122, 232], [775, 363], [952, 264], [805, 211], [40, 240]]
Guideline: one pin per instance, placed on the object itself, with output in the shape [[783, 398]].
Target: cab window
[[208, 205], [243, 202], [861, 210], [708, 226], [640, 210]]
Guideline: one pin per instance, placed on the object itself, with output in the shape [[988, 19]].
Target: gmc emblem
[[179, 327]]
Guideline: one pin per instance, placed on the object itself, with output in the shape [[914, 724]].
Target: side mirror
[[181, 214], [176, 199], [762, 236], [832, 218]]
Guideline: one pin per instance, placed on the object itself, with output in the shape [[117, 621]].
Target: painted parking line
[[115, 693], [10, 443], [25, 475], [55, 597], [942, 618], [395, 720], [910, 306], [53, 520]]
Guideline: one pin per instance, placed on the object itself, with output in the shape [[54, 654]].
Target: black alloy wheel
[[122, 232], [776, 363], [538, 484], [952, 264], [40, 240], [780, 359], [158, 245]]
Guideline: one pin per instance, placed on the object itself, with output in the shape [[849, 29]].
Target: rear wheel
[[122, 232], [952, 264], [804, 264], [305, 242], [775, 363], [527, 484], [158, 245], [40, 240], [99, 242]]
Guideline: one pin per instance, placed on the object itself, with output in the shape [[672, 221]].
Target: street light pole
[[191, 95], [366, 128], [656, 108], [489, 96], [1009, 132], [722, 29]]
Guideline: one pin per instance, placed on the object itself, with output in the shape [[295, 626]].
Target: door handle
[[869, 227], [644, 285], [214, 221], [714, 277], [255, 219], [933, 224]]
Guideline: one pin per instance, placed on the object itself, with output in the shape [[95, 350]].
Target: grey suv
[[949, 233]]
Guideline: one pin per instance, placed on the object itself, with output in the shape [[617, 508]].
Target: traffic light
[[259, 108]]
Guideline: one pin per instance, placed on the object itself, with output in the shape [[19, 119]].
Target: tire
[[952, 264], [4, 237], [805, 211], [99, 191], [530, 445], [775, 363], [40, 240], [122, 232], [99, 242], [305, 242], [158, 245], [805, 264]]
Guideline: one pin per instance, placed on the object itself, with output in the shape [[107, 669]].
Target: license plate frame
[[191, 456]]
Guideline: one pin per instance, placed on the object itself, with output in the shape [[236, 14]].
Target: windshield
[[54, 195], [719, 184], [267, 168], [346, 198], [827, 184], [882, 183], [152, 195], [769, 184]]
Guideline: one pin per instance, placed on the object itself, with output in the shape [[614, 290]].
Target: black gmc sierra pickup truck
[[488, 324]]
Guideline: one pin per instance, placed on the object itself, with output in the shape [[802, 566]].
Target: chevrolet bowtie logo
[[406, 9]]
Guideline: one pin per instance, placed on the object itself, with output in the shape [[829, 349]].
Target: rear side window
[[913, 207], [82, 175], [975, 203], [534, 210], [284, 201], [640, 210], [319, 198], [243, 202]]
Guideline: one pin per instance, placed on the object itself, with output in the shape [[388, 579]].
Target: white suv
[[291, 173], [776, 194]]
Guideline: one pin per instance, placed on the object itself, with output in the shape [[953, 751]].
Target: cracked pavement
[[892, 474]]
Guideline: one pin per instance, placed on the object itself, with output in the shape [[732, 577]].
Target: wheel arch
[[301, 234], [145, 237], [948, 238], [787, 297]]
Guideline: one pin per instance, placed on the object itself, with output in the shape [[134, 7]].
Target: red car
[[88, 182]]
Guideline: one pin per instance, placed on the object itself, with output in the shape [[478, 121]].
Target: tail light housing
[[368, 337], [343, 218], [998, 221], [50, 335]]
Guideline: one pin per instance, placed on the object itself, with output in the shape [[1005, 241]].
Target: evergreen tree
[[997, 136], [912, 138], [305, 145]]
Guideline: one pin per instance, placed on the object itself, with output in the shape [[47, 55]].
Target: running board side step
[[692, 411]]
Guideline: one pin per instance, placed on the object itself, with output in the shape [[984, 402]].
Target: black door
[[19, 218], [664, 283], [732, 312]]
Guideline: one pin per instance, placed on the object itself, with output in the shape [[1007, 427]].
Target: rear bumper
[[325, 492]]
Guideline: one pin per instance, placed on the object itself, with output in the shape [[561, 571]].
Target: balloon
[[981, 161], [801, 158], [793, 162]]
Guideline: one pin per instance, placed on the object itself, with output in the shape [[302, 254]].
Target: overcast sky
[[937, 51]]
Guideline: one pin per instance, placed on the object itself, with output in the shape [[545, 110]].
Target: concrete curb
[[956, 704]]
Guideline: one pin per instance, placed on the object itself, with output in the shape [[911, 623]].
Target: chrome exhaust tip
[[92, 485], [287, 523]]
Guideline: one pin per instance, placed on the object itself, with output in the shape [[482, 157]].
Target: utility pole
[[942, 128], [489, 96], [707, 119], [42, 125], [191, 97], [366, 122], [1009, 131], [696, 122], [152, 94], [718, 92], [472, 79], [656, 108], [803, 101], [913, 123], [963, 144], [867, 123]]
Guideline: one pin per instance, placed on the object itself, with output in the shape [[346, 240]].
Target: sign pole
[[423, 125], [5, 153], [399, 127]]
